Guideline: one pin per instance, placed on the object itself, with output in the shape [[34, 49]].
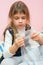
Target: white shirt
[[8, 42]]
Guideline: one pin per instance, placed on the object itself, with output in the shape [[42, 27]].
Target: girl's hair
[[18, 7]]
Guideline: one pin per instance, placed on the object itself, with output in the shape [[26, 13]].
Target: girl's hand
[[19, 41], [35, 36]]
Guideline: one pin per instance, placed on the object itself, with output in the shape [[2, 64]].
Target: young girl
[[16, 35]]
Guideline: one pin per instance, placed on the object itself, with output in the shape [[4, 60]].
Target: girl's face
[[20, 20]]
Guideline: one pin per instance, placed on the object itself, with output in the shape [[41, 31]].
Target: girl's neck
[[23, 29], [21, 32]]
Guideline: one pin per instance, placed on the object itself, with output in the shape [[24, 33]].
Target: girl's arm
[[9, 49], [37, 37], [13, 48]]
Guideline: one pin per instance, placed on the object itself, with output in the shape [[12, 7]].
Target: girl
[[16, 33]]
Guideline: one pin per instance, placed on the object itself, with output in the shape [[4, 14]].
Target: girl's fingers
[[34, 35], [19, 41]]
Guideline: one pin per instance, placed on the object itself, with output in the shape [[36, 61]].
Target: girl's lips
[[21, 25]]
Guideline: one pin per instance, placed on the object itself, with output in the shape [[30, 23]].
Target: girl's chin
[[21, 27]]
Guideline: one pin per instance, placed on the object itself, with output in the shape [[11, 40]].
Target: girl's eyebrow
[[18, 17]]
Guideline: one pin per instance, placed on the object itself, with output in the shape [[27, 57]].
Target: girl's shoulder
[[10, 30], [9, 34]]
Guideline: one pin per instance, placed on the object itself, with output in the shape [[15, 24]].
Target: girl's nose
[[20, 20]]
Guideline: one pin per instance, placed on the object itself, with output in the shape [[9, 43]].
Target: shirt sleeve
[[7, 45], [41, 34]]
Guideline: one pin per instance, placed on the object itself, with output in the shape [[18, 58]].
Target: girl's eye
[[23, 17], [16, 18]]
